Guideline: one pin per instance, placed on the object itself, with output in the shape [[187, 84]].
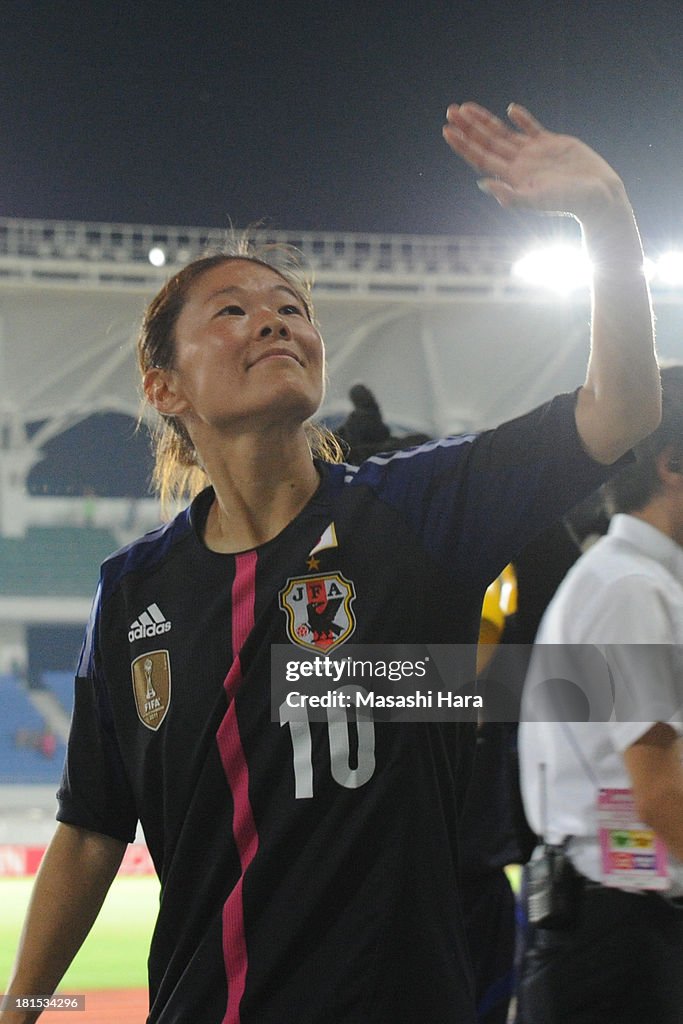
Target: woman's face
[[246, 356]]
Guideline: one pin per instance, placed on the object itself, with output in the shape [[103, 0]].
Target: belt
[[589, 884]]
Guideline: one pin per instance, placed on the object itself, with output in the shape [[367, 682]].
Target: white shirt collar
[[649, 541]]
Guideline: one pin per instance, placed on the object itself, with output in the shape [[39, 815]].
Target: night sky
[[322, 116]]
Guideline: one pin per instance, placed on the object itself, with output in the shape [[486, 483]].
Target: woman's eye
[[230, 311]]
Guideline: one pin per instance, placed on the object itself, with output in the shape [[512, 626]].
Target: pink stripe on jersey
[[237, 773], [243, 597]]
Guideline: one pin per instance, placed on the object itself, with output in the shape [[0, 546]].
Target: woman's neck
[[261, 485]]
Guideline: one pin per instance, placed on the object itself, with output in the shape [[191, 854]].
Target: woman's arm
[[528, 166], [73, 880]]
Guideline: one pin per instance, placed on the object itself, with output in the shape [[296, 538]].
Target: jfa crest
[[319, 613]]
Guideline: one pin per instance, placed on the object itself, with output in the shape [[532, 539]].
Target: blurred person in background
[[609, 793]]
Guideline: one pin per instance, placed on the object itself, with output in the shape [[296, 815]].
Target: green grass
[[115, 953]]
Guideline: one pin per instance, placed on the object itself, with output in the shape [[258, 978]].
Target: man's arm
[[528, 166], [73, 880], [656, 770]]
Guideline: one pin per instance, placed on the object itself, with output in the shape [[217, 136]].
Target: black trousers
[[620, 963], [489, 908]]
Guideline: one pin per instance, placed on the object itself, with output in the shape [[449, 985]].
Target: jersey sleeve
[[95, 793], [477, 500]]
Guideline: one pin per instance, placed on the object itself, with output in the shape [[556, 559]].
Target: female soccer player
[[309, 868]]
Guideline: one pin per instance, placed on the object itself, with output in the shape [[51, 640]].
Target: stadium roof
[[435, 326]]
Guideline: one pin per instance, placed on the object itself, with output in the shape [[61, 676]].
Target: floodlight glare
[[649, 269], [156, 256], [560, 268], [669, 269]]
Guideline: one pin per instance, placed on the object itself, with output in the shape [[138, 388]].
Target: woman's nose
[[274, 327]]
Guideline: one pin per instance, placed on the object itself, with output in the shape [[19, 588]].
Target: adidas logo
[[151, 623]]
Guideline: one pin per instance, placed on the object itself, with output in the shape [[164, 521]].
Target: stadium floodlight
[[669, 269], [559, 268], [156, 256]]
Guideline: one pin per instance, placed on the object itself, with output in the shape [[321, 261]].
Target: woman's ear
[[162, 391]]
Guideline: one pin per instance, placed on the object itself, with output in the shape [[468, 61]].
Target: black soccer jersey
[[299, 883]]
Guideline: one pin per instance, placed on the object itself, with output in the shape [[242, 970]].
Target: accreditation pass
[[632, 856]]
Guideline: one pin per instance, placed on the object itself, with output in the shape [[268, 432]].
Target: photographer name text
[[360, 698]]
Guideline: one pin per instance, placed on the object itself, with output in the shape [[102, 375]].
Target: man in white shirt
[[600, 755]]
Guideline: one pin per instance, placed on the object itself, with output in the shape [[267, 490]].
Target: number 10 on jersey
[[339, 742]]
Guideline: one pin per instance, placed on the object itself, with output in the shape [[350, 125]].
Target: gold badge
[[152, 687]]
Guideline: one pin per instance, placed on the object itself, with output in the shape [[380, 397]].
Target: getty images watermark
[[438, 682]]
